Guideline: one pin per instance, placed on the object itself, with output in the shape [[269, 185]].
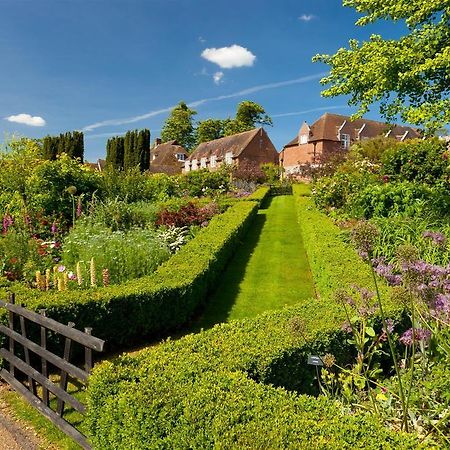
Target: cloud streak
[[306, 111], [196, 103], [306, 17], [27, 119]]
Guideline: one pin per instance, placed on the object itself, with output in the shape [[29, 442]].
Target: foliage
[[408, 76], [70, 143], [126, 255], [204, 182], [248, 116], [52, 186], [272, 172], [179, 126], [419, 161], [248, 171], [18, 159], [209, 130], [136, 150], [115, 150], [187, 215]]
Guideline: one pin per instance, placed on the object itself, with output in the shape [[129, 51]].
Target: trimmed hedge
[[156, 303], [259, 195], [224, 388]]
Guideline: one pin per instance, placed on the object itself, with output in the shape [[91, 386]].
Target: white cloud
[[27, 119], [217, 77], [201, 39], [229, 57], [306, 17], [196, 103]]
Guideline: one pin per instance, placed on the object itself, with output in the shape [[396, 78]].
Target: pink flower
[[61, 268], [71, 276]]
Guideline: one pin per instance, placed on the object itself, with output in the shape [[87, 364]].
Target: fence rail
[[36, 374]]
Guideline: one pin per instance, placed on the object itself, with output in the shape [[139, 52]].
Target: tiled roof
[[327, 127], [165, 157], [235, 144]]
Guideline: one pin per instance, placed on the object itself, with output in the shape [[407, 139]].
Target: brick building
[[254, 147], [334, 133]]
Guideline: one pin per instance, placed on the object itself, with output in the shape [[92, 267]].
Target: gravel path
[[14, 435]]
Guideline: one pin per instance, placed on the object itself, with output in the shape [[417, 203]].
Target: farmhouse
[[167, 157], [334, 133], [252, 146]]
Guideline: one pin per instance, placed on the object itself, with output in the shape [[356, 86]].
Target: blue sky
[[106, 66]]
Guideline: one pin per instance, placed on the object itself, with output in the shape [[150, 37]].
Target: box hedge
[[226, 387]]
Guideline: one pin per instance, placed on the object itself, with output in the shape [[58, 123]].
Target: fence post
[[44, 370], [63, 381], [12, 300]]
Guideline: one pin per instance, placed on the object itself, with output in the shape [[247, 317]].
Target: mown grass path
[[270, 269]]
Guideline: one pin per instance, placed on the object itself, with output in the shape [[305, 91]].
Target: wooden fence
[[30, 362]]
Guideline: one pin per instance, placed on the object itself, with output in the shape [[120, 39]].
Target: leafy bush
[[187, 215], [199, 183], [53, 186], [126, 255], [419, 161]]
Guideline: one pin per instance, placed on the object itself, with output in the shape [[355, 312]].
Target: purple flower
[[415, 334], [54, 228], [7, 222], [437, 237], [390, 324], [61, 268], [346, 327], [78, 213]]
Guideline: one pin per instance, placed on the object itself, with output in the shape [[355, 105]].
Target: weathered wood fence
[[22, 353]]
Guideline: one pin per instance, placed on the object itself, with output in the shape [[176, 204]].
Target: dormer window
[[203, 163], [303, 139], [212, 161], [181, 156], [345, 141], [229, 158]]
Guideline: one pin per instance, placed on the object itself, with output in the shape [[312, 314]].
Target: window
[[181, 156], [194, 164], [203, 163], [187, 166], [345, 141], [303, 139], [212, 161], [229, 158]]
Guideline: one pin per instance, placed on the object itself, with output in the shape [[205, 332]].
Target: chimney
[[158, 142]]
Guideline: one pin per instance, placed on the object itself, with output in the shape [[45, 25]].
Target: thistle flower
[[79, 274], [415, 334], [329, 360], [364, 235], [105, 277], [92, 273], [438, 238]]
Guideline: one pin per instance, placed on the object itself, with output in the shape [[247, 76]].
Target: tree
[[71, 143], [409, 77], [115, 152], [210, 129], [136, 150], [248, 116], [179, 126]]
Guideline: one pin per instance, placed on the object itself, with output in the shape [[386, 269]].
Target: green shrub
[[222, 388], [419, 161], [259, 195]]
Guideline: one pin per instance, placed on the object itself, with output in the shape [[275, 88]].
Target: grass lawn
[[270, 269]]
